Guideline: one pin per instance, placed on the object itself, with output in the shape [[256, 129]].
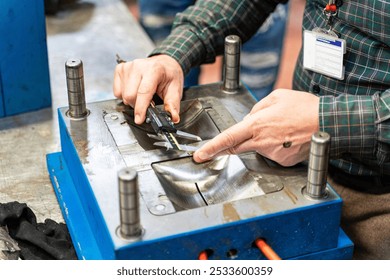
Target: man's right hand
[[135, 82]]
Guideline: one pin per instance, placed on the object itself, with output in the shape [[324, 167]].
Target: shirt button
[[339, 3], [316, 88]]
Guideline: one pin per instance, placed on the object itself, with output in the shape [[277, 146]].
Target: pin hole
[[232, 253]]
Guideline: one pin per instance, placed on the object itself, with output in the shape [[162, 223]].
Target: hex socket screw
[[130, 226], [231, 69], [76, 91], [318, 165]]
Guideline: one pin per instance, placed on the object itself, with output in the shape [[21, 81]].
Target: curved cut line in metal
[[190, 185]]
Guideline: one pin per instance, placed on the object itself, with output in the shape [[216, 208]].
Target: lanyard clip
[[330, 11]]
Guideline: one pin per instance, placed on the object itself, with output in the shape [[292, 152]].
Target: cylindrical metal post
[[231, 73], [318, 165], [76, 91], [130, 225]]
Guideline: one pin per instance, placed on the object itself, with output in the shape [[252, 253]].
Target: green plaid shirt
[[354, 111]]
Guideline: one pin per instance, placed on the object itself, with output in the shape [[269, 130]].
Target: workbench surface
[[93, 31]]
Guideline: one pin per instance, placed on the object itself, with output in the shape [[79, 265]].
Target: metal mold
[[184, 207]]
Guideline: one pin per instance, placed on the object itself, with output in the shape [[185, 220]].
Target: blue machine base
[[82, 232]]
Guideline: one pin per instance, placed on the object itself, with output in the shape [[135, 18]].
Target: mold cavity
[[190, 185]]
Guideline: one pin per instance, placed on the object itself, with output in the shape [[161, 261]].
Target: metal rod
[[318, 165], [231, 77], [76, 91], [130, 225]]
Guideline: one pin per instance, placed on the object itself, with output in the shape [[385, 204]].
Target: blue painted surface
[[343, 251], [290, 233], [72, 209], [2, 114], [88, 204], [23, 57]]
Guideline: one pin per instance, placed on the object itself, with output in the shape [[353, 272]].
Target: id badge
[[324, 54]]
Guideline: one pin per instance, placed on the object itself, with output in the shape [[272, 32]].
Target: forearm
[[359, 125], [198, 33]]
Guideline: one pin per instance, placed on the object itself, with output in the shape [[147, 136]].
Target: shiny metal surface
[[76, 89], [318, 165], [231, 73], [187, 184], [190, 185], [130, 225]]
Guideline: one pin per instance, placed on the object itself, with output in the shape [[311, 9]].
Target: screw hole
[[232, 253], [160, 207]]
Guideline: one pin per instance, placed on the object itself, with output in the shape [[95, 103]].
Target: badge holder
[[323, 49]]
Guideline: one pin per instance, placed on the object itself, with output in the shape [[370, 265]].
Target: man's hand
[[135, 82], [281, 117]]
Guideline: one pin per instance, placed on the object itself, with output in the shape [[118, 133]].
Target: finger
[[129, 95], [126, 83], [117, 86], [246, 146], [146, 90], [227, 140], [172, 100]]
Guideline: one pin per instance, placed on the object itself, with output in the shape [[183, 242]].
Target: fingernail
[[203, 155], [175, 116], [137, 119]]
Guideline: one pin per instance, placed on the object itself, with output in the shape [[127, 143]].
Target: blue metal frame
[[83, 238], [187, 246], [86, 202]]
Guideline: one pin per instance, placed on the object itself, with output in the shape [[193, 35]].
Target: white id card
[[323, 54]]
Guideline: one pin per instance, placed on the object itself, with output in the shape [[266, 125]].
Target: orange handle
[[203, 255], [268, 252]]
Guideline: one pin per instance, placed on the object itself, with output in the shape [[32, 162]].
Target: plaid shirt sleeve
[[198, 33], [359, 125]]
